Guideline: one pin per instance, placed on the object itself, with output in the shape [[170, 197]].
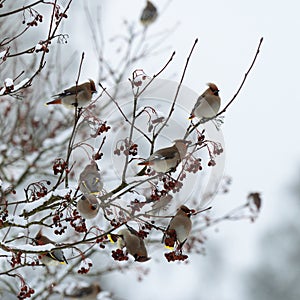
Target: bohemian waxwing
[[179, 228], [79, 95], [88, 206], [88, 292], [129, 238], [149, 14], [167, 159], [208, 104], [90, 179], [54, 257]]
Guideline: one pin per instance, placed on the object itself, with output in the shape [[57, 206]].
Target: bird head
[[213, 88], [40, 239], [181, 146], [185, 210], [92, 86]]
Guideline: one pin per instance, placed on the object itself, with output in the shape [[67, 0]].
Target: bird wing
[[166, 153], [165, 233], [70, 91], [83, 291], [199, 100], [58, 255]]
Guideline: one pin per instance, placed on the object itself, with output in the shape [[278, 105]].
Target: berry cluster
[[85, 266], [77, 222], [37, 190], [138, 76], [128, 148], [16, 259], [59, 166], [170, 238], [192, 165], [25, 292], [156, 194], [42, 47], [3, 216], [201, 137], [100, 241], [142, 233], [35, 18], [115, 223], [57, 223], [170, 184], [216, 150], [101, 129], [59, 15], [173, 256], [119, 255]]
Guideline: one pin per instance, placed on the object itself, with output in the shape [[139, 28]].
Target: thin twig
[[177, 91], [80, 66], [157, 74], [122, 113], [245, 77], [21, 9]]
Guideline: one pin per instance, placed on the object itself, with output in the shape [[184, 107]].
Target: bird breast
[[182, 225], [83, 98], [209, 107]]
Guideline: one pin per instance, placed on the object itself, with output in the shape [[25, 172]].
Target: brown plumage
[[53, 257], [129, 238], [88, 206], [90, 180], [149, 14], [89, 292], [208, 104], [79, 95], [167, 159], [179, 228]]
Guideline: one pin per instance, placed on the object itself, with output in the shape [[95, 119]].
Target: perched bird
[[129, 238], [88, 292], [90, 179], [88, 206], [208, 104], [167, 159], [179, 228], [79, 95], [54, 257], [149, 14]]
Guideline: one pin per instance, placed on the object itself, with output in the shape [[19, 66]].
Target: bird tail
[[169, 247], [192, 116], [112, 238], [59, 256], [55, 101]]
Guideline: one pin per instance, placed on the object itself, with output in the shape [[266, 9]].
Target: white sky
[[260, 130]]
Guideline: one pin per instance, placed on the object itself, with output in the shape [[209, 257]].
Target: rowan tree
[[46, 150]]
